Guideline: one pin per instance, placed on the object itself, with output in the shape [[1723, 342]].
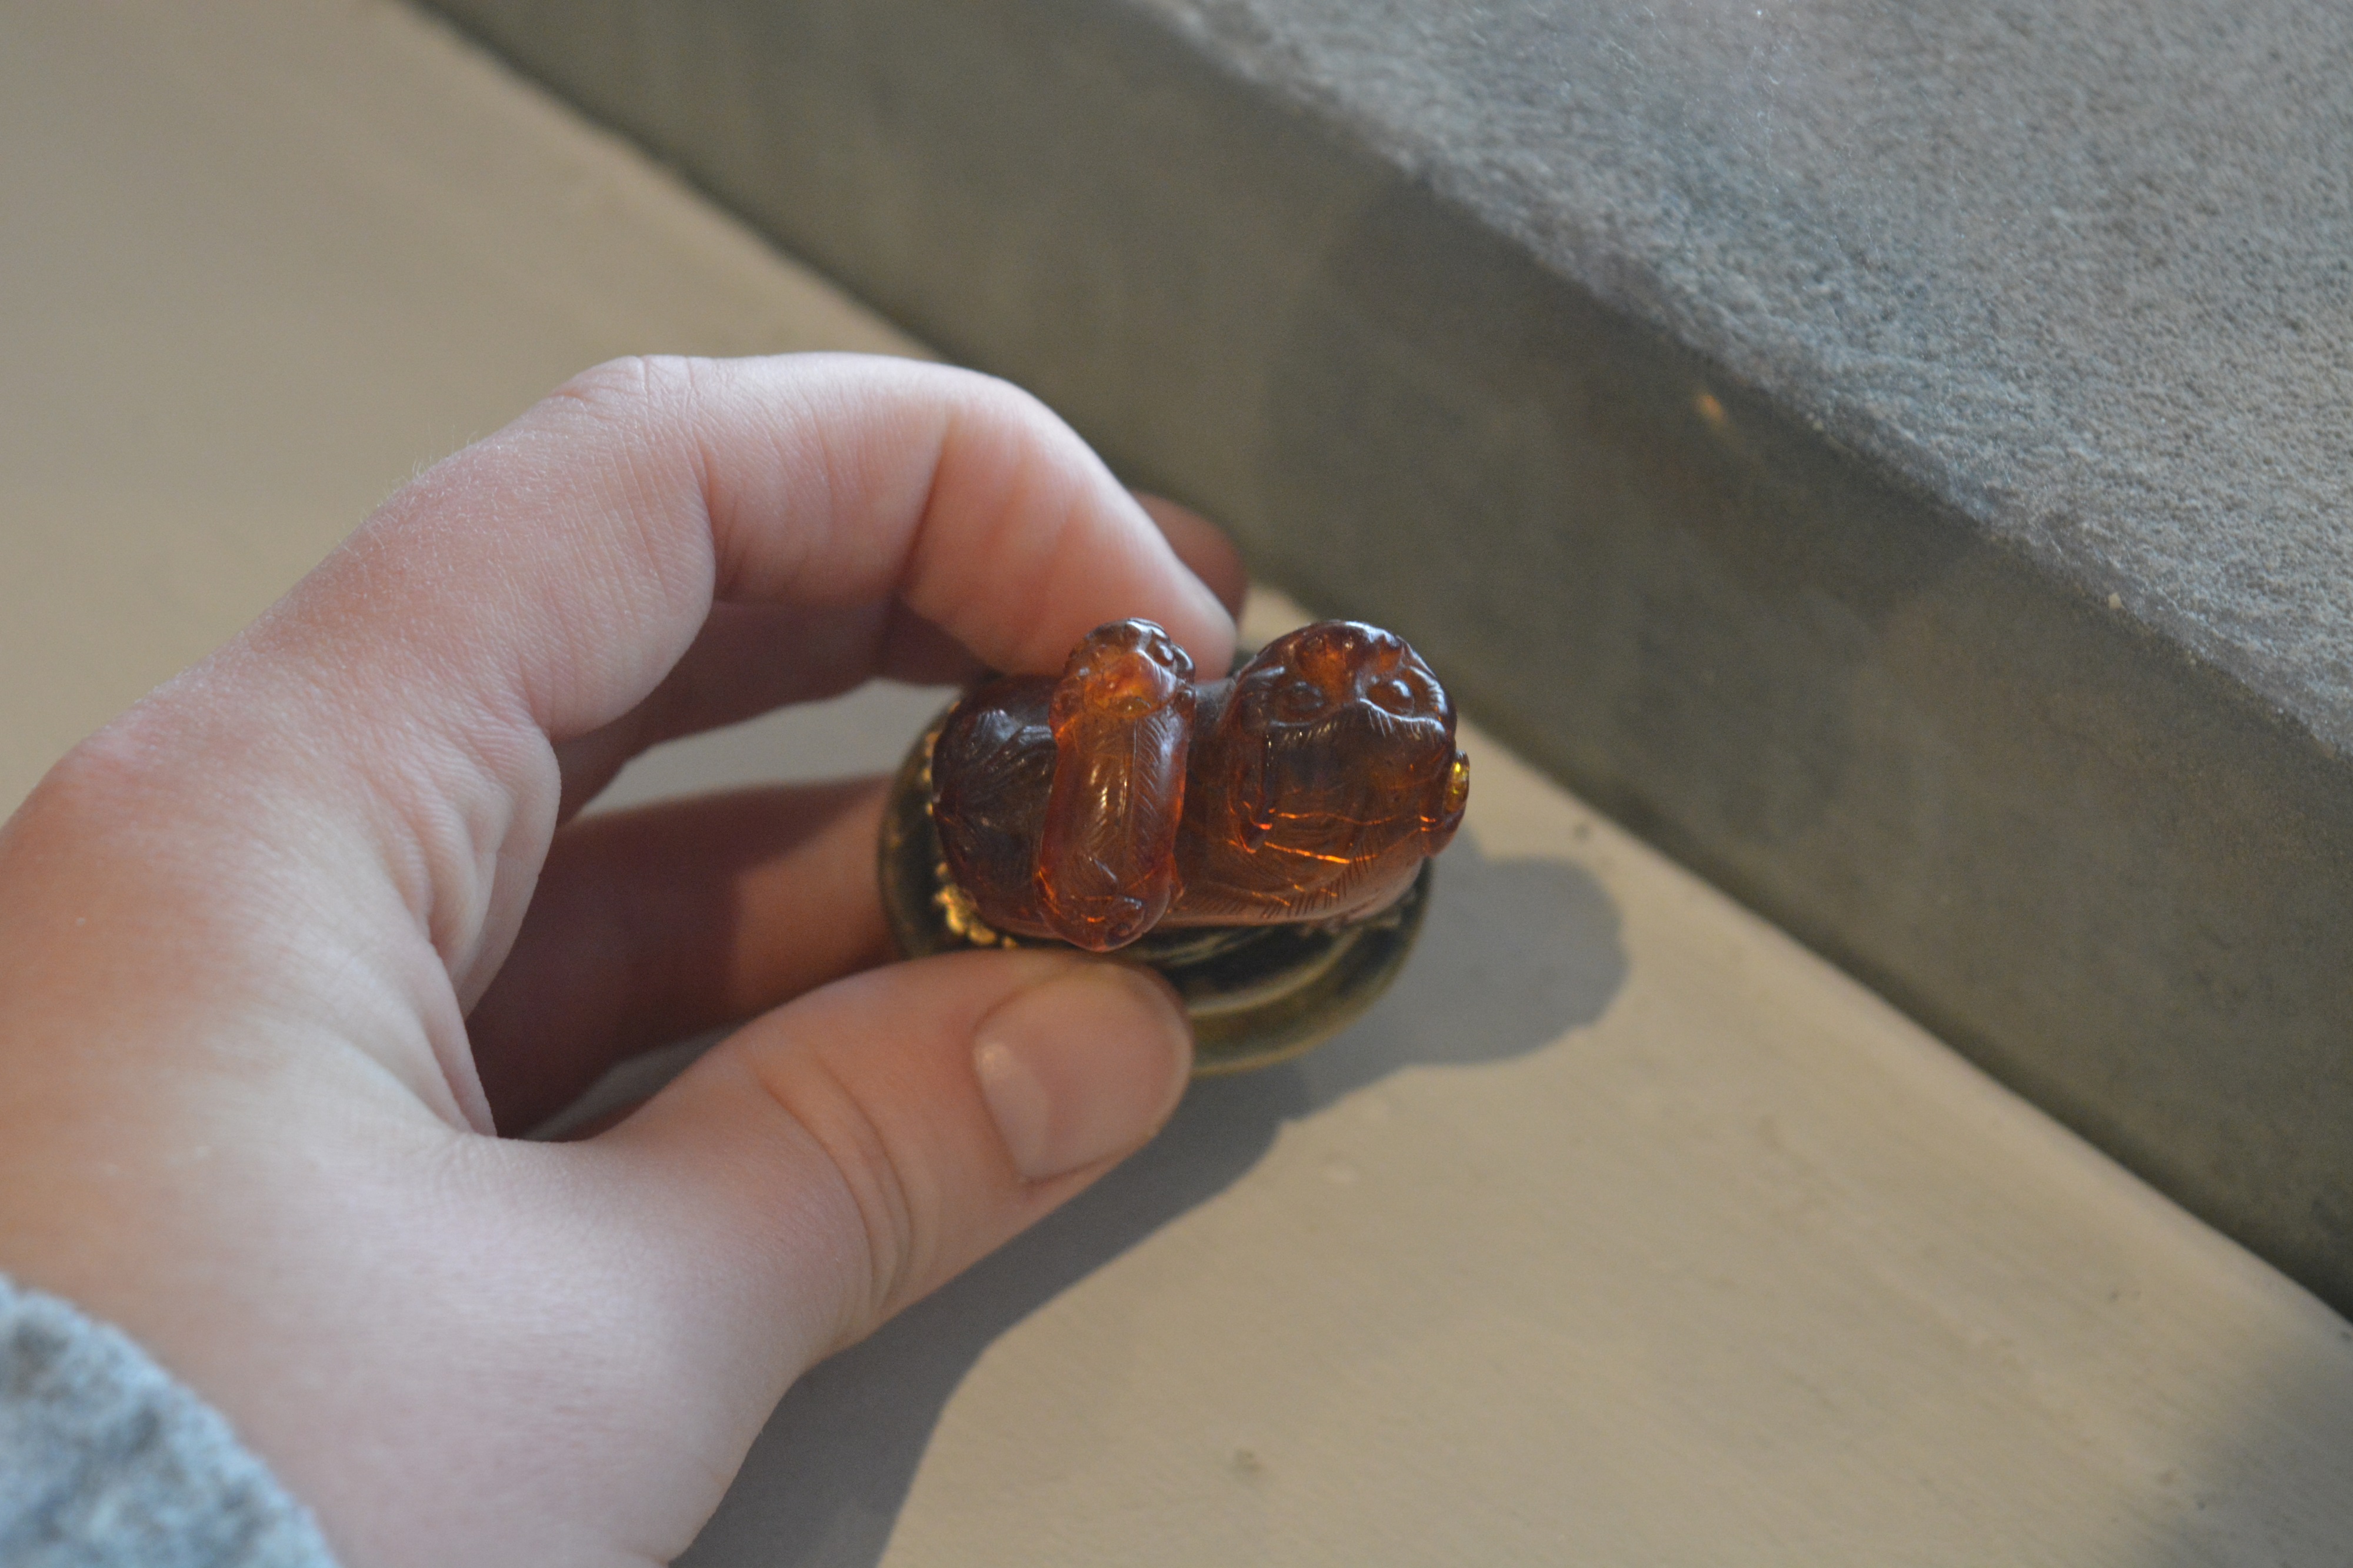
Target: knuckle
[[125, 769], [631, 390], [883, 1220], [100, 782], [1017, 408]]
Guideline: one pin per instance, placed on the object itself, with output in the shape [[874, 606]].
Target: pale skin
[[285, 948]]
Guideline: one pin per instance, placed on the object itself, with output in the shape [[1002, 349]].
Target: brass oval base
[[1258, 994]]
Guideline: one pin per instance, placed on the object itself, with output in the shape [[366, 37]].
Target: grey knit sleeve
[[106, 1461]]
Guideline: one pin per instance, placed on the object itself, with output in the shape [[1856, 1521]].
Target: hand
[[279, 949]]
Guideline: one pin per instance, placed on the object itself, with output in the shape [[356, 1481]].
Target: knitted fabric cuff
[[106, 1462]]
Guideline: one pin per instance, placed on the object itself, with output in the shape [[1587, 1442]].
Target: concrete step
[[1895, 461]]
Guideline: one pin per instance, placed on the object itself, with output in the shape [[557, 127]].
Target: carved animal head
[[1122, 722], [1340, 742]]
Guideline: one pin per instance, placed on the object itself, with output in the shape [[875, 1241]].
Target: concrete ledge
[[2000, 684]]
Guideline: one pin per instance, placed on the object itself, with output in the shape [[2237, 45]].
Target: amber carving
[[1124, 796]]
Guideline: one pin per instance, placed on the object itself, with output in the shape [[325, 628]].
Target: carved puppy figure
[[1124, 796]]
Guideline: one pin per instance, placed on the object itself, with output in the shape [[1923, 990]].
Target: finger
[[540, 585], [559, 1016], [731, 673], [1203, 547], [655, 924], [649, 488], [846, 1154]]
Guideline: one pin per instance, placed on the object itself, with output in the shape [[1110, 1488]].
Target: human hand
[[280, 947]]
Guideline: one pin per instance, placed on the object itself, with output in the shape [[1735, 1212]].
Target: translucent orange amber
[[1123, 798]]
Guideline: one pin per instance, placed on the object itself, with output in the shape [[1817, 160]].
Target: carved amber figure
[[1124, 797]]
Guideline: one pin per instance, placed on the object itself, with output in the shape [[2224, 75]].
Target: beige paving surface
[[1624, 1232]]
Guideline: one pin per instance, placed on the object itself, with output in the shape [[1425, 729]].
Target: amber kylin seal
[[1263, 841]]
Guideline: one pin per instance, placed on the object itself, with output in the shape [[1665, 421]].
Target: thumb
[[841, 1156]]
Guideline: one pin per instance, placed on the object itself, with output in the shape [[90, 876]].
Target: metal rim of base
[[1257, 995]]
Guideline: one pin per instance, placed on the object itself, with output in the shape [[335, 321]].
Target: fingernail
[[1081, 1067]]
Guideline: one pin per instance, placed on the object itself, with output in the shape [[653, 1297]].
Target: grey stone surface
[[1890, 456], [2083, 272]]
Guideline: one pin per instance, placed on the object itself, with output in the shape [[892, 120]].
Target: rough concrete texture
[[1886, 458], [2081, 272]]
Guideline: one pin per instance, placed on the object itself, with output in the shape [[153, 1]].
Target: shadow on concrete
[[1516, 952]]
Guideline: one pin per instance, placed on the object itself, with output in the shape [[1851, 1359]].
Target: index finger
[[409, 694], [566, 564]]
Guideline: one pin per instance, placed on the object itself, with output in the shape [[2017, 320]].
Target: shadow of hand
[[1515, 954]]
